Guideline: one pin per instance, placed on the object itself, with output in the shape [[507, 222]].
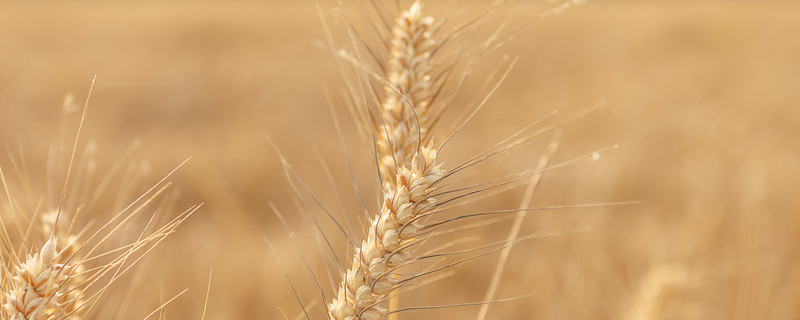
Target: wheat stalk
[[407, 169], [411, 177]]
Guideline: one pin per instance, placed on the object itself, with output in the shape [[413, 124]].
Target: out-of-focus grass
[[702, 98]]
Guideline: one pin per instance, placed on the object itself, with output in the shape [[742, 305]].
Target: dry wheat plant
[[58, 262], [403, 81]]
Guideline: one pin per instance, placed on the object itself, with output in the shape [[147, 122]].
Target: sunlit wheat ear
[[33, 292], [66, 279], [405, 117], [368, 280], [67, 276]]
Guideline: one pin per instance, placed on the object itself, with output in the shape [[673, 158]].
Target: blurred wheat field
[[702, 98]]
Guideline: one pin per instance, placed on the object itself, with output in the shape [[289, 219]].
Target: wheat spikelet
[[368, 281], [70, 300], [408, 93]]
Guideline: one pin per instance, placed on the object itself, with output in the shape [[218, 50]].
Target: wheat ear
[[405, 122], [408, 93], [407, 170], [34, 290]]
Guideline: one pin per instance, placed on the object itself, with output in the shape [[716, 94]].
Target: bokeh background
[[703, 98]]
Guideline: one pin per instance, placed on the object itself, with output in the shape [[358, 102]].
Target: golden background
[[703, 98]]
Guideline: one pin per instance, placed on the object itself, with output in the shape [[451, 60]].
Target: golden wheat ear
[[402, 245], [406, 158]]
